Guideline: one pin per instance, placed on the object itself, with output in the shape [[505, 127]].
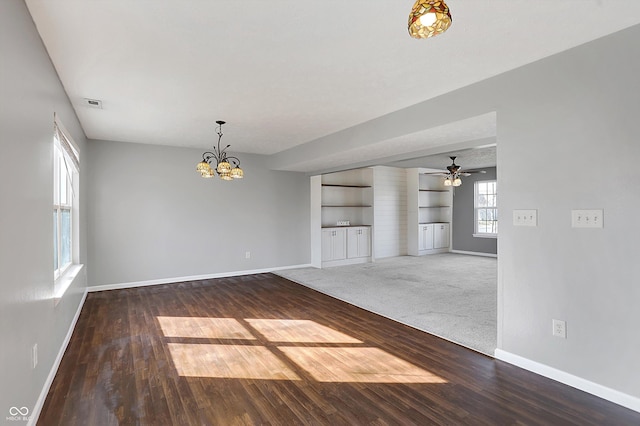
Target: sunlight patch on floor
[[203, 327], [229, 362], [299, 331], [359, 365]]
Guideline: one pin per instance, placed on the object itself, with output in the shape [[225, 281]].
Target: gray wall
[[463, 224], [568, 133], [569, 139], [153, 217], [30, 93]]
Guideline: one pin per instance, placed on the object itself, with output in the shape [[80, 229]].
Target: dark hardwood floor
[[262, 350]]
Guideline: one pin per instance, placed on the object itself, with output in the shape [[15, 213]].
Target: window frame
[[477, 208], [65, 199]]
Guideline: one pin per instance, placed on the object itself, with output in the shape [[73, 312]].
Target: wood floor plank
[[260, 349]]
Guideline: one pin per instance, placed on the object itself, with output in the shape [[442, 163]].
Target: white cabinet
[[334, 244], [358, 242], [440, 235], [425, 236], [346, 245], [433, 236]]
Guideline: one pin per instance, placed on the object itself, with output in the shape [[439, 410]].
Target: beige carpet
[[453, 296]]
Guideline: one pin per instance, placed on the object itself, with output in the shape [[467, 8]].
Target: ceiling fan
[[452, 178]]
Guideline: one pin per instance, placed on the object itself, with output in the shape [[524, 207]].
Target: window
[[65, 172], [486, 209]]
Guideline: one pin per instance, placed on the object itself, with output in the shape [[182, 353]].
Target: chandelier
[[219, 162], [428, 18]]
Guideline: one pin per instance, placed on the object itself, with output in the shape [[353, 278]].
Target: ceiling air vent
[[93, 103]]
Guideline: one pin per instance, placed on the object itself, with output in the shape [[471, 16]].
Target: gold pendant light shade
[[224, 167], [428, 18], [237, 173]]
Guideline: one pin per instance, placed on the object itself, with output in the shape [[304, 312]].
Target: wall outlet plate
[[559, 328]]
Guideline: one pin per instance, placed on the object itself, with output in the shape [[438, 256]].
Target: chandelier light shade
[[428, 18], [237, 173], [223, 167], [217, 161]]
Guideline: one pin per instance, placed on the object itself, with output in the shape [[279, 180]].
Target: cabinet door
[[352, 242], [339, 244], [327, 244], [364, 242], [425, 237], [358, 242], [441, 235]]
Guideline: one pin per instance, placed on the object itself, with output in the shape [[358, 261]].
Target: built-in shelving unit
[[429, 213], [339, 198], [347, 196]]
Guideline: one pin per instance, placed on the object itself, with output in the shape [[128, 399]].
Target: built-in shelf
[[346, 186], [343, 226], [343, 205], [433, 207], [433, 190]]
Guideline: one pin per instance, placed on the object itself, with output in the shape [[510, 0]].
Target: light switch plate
[[587, 218], [525, 217]]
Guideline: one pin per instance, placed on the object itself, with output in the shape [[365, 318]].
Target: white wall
[[153, 217], [390, 211], [568, 138], [30, 93]]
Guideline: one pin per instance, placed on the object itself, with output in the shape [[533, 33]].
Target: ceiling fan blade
[[437, 174], [474, 171]]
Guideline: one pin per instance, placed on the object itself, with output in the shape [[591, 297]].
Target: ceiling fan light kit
[[428, 18], [227, 167], [454, 175]]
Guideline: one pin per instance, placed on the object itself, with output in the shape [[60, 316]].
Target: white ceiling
[[285, 72]]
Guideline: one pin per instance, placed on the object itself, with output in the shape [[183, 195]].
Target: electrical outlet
[[525, 217], [587, 218], [559, 328], [247, 255], [34, 356]]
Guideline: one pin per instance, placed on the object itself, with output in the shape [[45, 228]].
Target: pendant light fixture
[[227, 167], [428, 18]]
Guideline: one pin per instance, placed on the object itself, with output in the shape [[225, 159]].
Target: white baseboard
[[474, 253], [54, 368], [603, 392], [191, 278]]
